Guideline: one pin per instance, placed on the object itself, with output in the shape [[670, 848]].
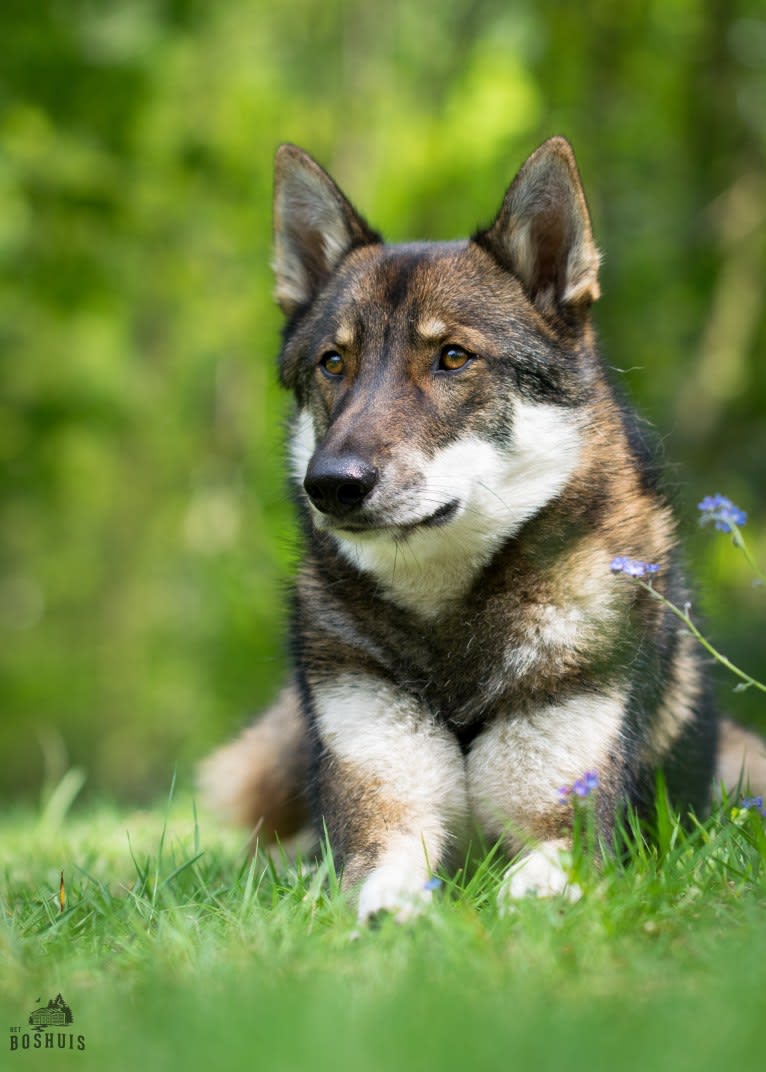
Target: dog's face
[[439, 385]]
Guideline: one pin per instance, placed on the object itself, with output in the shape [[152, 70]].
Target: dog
[[466, 473]]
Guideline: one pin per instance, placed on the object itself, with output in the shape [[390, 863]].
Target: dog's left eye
[[332, 364], [453, 358]]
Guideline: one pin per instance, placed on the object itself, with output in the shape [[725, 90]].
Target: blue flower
[[583, 787], [632, 567], [722, 512], [754, 802], [432, 884]]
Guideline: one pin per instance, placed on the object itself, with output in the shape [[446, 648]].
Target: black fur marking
[[399, 279], [296, 647], [689, 766], [541, 384]]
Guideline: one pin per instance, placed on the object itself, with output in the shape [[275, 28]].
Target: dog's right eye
[[331, 364], [453, 358]]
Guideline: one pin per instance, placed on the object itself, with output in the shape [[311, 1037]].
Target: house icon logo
[[48, 1027], [55, 1014]]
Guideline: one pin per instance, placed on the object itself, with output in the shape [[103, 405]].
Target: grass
[[176, 951]]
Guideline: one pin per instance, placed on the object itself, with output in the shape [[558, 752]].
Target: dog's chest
[[530, 624], [478, 661]]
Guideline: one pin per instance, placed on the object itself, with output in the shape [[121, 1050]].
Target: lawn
[[173, 950]]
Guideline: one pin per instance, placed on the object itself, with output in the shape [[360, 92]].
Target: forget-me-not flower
[[722, 512], [633, 567], [583, 787], [754, 803]]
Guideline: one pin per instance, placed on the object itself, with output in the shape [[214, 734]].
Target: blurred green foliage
[[147, 533]]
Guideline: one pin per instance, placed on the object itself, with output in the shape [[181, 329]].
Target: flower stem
[[739, 541], [683, 615]]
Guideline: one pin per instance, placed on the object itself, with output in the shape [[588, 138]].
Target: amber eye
[[453, 358], [331, 363]]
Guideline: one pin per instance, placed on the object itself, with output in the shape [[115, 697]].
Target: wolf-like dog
[[466, 474]]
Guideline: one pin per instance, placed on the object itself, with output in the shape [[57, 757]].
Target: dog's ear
[[314, 227], [543, 233]]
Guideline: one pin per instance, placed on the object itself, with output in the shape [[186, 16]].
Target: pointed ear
[[314, 227], [543, 234]]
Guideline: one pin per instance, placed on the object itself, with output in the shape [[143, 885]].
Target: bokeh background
[[147, 538]]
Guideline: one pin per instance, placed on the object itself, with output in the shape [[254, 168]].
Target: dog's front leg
[[392, 791], [517, 769]]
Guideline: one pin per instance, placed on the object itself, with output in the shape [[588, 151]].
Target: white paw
[[542, 873], [394, 890]]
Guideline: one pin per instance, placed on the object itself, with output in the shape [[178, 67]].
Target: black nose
[[337, 484]]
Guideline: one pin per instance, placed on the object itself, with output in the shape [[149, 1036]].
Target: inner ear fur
[[315, 226], [542, 232]]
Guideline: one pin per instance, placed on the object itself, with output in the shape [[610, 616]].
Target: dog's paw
[[395, 892], [543, 873]]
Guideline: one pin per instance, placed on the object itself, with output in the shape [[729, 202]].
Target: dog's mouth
[[439, 517]]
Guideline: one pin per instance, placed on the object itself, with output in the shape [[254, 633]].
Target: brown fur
[[259, 779], [350, 792], [741, 760]]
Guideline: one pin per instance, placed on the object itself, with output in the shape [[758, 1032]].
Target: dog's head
[[438, 384]]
